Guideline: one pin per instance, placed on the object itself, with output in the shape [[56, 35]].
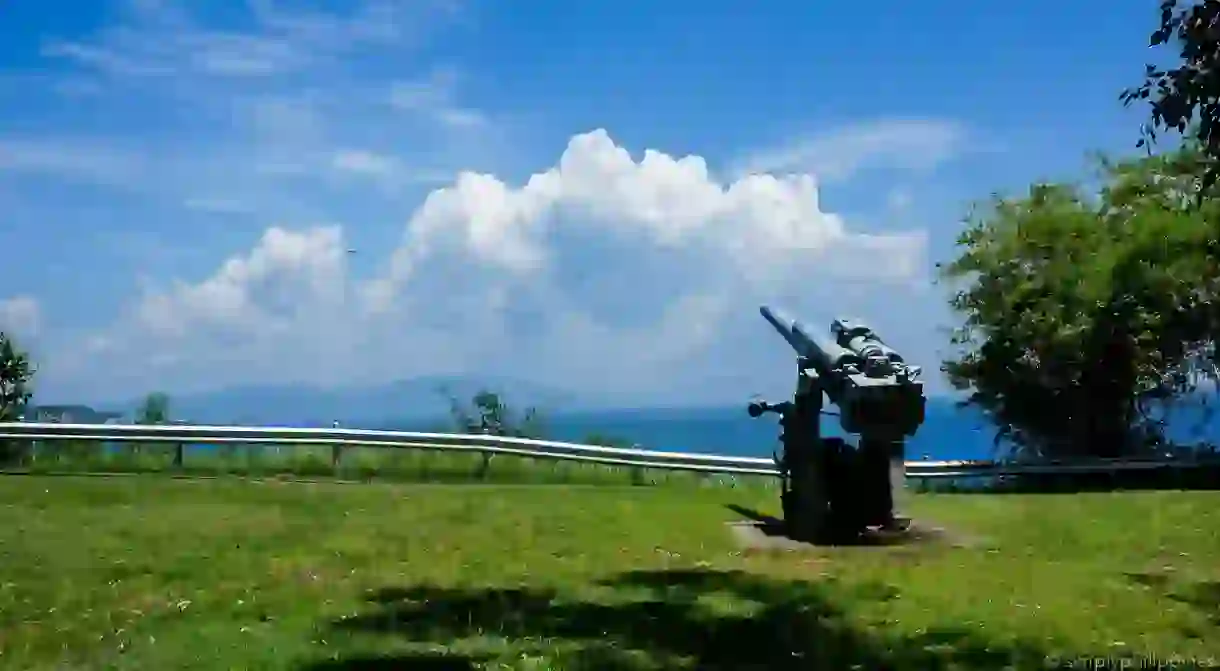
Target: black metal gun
[[832, 489]]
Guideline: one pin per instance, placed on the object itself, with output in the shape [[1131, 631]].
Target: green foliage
[[1083, 312], [154, 409], [488, 413], [16, 374], [1185, 98]]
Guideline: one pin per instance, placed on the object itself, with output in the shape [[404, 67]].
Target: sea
[[948, 432]]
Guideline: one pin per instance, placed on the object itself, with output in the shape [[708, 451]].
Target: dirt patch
[[754, 536]]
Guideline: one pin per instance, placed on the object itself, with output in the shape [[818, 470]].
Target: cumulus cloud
[[217, 134], [602, 267], [286, 275]]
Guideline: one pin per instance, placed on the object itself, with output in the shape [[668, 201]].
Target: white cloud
[[71, 158], [281, 98], [364, 162], [617, 271], [286, 274], [163, 40], [755, 225], [21, 316], [899, 200], [436, 96], [603, 271], [910, 144], [219, 205]]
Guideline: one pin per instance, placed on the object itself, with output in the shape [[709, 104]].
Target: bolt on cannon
[[833, 490]]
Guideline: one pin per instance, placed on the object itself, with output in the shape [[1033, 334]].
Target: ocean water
[[948, 432]]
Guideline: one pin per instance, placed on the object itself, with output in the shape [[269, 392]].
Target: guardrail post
[[336, 452], [34, 450], [32, 446], [485, 467], [637, 472], [179, 450]]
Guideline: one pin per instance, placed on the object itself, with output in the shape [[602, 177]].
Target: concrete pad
[[769, 536]]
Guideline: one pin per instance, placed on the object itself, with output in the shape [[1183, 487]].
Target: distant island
[[70, 414]]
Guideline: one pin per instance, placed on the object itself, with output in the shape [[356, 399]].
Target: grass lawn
[[152, 573]]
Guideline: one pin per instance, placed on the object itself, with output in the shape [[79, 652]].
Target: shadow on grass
[[772, 524], [774, 625], [1203, 596], [774, 527]]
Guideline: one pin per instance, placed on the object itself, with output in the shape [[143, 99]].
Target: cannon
[[834, 490]]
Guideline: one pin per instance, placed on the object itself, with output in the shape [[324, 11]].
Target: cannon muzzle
[[825, 355]]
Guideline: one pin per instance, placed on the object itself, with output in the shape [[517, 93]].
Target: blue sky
[[594, 195]]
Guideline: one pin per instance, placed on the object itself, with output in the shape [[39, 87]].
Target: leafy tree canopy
[[16, 374], [488, 413], [1081, 311], [154, 409]]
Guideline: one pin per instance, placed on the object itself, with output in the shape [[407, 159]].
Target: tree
[[1081, 314], [154, 409], [16, 374], [488, 414], [1185, 98]]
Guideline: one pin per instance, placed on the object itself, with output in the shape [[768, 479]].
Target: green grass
[[153, 573], [316, 461]]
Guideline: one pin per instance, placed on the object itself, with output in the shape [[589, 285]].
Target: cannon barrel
[[826, 355]]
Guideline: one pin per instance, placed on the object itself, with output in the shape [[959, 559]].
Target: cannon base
[[834, 493]]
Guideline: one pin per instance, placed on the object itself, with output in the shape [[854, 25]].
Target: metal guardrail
[[525, 447], [964, 469], [543, 449]]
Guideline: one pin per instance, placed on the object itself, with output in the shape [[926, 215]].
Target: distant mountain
[[68, 414], [410, 401]]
